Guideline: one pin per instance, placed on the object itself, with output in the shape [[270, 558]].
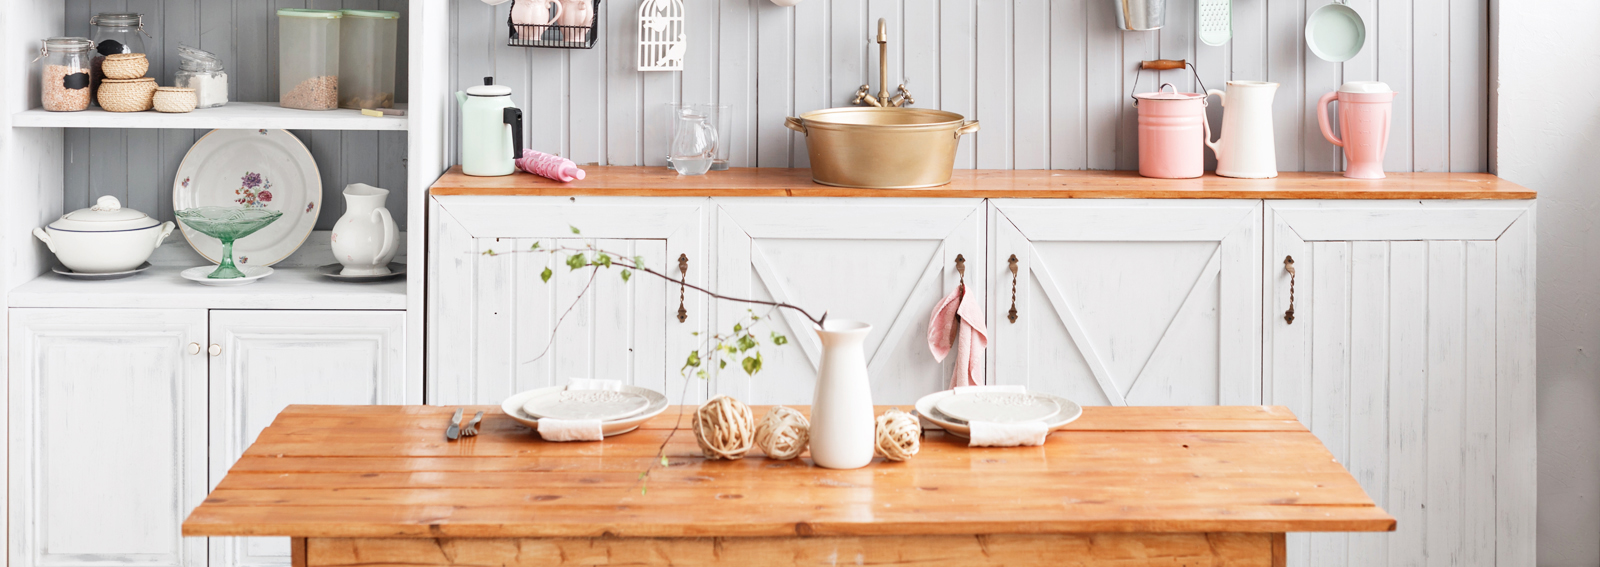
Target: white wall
[[1549, 140]]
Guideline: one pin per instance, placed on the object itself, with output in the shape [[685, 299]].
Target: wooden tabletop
[[387, 471], [989, 183]]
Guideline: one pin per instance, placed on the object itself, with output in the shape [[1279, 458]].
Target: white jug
[[1245, 146], [365, 239]]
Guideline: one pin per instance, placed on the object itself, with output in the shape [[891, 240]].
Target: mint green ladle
[[1335, 32]]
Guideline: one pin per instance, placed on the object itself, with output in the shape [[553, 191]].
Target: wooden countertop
[[387, 471], [990, 183]]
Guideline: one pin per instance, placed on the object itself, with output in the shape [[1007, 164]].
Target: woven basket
[[125, 66], [127, 95], [175, 99]]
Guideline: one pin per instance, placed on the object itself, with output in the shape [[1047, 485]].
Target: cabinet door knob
[[215, 350], [194, 348]]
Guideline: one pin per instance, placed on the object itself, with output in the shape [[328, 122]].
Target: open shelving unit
[[233, 115]]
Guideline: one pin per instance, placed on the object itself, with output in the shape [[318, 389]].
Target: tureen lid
[[107, 215]]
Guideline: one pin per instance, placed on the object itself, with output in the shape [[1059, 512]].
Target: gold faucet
[[864, 94]]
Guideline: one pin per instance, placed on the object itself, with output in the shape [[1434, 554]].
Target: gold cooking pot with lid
[[882, 148]]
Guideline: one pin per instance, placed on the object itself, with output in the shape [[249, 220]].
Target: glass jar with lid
[[366, 58], [64, 73], [308, 58], [115, 32], [202, 71]]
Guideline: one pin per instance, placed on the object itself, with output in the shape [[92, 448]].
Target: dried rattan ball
[[899, 435], [724, 427], [783, 433]]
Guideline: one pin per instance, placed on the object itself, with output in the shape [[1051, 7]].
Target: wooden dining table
[[374, 486]]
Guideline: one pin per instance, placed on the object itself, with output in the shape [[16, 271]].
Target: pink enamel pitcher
[[1364, 111], [1172, 133]]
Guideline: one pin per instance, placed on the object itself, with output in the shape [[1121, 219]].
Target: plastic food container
[[202, 71], [366, 58], [64, 74], [308, 58]]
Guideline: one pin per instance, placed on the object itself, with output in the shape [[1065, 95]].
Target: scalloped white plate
[[512, 406]]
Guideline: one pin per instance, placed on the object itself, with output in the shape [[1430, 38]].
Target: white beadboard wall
[[138, 165], [1049, 79]]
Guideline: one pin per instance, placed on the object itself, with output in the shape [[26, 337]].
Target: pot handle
[[1322, 118], [40, 233], [166, 229], [1222, 99], [795, 124], [969, 127], [381, 215]]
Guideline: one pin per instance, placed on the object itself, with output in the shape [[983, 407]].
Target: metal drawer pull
[[683, 270], [1012, 315], [1288, 265]]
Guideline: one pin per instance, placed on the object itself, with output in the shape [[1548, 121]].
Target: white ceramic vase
[[841, 409], [365, 239]]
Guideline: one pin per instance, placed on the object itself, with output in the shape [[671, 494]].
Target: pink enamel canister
[[1172, 133], [1364, 111]]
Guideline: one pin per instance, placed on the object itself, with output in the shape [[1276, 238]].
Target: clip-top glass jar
[[64, 73], [202, 71], [115, 32]]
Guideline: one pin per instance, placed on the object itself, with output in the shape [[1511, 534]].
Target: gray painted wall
[[1547, 141]]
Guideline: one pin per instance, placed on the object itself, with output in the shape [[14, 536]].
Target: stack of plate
[[620, 409], [952, 410]]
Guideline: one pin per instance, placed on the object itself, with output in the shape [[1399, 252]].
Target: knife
[[454, 431]]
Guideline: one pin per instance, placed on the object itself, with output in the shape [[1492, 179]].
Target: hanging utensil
[[1335, 32], [1141, 15], [1215, 21]]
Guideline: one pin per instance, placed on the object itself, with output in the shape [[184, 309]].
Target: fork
[[472, 426]]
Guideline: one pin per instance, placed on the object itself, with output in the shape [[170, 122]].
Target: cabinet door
[[495, 327], [108, 442], [264, 361], [1126, 302], [883, 261], [1411, 357]]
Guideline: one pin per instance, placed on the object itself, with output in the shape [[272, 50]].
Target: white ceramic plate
[[658, 403], [251, 274], [604, 405], [257, 169], [396, 269], [927, 408], [108, 276], [998, 407]]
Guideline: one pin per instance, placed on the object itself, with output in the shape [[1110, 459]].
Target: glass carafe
[[694, 146]]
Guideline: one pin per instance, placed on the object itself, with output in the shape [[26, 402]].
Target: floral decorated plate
[[268, 169]]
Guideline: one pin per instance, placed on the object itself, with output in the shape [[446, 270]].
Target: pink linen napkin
[[958, 324]]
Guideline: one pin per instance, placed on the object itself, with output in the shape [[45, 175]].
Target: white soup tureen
[[105, 238]]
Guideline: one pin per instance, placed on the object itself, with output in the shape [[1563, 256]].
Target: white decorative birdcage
[[661, 36]]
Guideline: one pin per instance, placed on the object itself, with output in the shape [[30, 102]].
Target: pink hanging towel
[[547, 165], [958, 323]]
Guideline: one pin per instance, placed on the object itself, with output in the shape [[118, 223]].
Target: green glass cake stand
[[226, 224]]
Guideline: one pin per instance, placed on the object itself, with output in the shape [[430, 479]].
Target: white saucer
[[106, 276], [396, 269], [251, 274]]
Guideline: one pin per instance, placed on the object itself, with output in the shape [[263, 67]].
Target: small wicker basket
[[127, 95], [175, 99], [125, 66]]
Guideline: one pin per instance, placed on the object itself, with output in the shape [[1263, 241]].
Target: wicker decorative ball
[[783, 433], [125, 66], [899, 435], [724, 427]]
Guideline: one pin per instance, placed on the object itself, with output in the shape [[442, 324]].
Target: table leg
[[1019, 550], [297, 552]]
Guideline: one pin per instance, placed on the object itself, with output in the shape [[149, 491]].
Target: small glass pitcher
[[694, 146]]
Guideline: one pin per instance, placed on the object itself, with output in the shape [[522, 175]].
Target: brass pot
[[882, 148]]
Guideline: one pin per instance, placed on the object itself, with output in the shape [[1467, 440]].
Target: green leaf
[[574, 229], [778, 339], [702, 374], [489, 252], [535, 246], [638, 262], [752, 364], [722, 364], [737, 327], [626, 274], [664, 462], [694, 360], [603, 259], [746, 342], [576, 261], [545, 275]]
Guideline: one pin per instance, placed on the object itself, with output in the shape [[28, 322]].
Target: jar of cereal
[[64, 73]]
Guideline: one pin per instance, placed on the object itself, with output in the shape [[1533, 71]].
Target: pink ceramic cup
[[1365, 108]]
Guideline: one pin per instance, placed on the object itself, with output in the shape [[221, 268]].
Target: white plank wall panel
[[138, 165], [1048, 79]]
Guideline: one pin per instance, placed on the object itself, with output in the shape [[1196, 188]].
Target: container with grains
[[308, 58], [114, 33], [366, 58], [64, 73]]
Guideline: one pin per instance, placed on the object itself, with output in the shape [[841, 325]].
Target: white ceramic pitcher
[[842, 422], [1245, 146], [365, 239]]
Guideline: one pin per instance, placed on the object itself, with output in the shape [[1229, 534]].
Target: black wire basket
[[557, 36]]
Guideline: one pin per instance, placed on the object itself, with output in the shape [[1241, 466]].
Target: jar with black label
[[64, 73], [115, 32]]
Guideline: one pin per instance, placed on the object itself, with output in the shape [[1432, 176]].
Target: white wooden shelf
[[234, 115], [162, 287]]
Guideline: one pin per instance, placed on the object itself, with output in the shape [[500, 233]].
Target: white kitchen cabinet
[[882, 261], [491, 318], [263, 361], [1127, 302], [1411, 357], [107, 436]]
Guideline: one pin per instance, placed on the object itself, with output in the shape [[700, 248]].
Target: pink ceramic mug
[[535, 13], [576, 15], [1364, 111], [1172, 133]]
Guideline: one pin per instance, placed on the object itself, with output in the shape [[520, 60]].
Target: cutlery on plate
[[472, 426], [454, 431]]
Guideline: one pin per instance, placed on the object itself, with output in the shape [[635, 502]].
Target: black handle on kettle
[[513, 117]]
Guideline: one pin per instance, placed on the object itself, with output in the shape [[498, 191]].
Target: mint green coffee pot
[[491, 130]]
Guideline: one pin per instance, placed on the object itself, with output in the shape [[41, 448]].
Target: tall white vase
[[841, 409], [365, 239]]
